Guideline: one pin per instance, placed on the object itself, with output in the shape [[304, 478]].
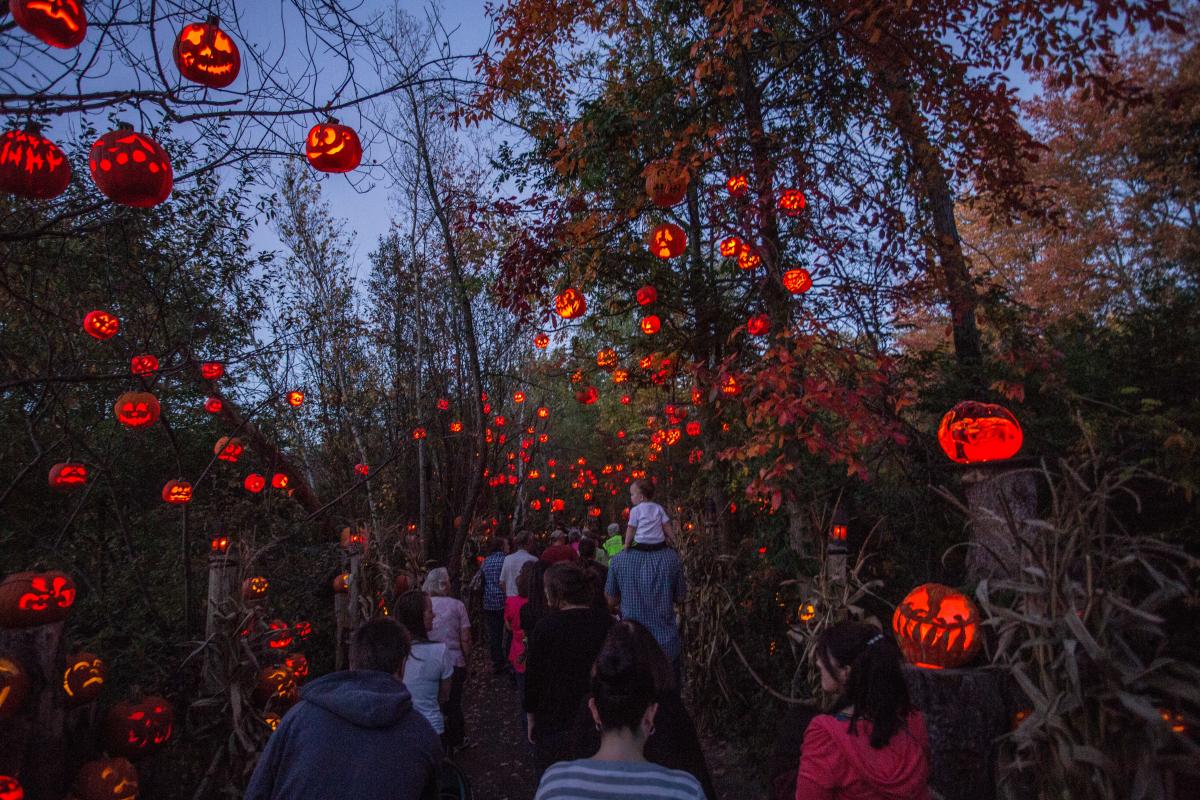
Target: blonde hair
[[437, 582]]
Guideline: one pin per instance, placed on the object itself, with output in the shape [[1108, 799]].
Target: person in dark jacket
[[673, 742], [353, 734]]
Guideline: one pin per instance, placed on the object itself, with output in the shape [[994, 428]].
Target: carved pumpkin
[[518, 397], [295, 398], [620, 375], [35, 598], [298, 664], [667, 240], [101, 325], [83, 678], [207, 55], [797, 281], [588, 395], [10, 788], [341, 582], [543, 412], [693, 428], [255, 587], [107, 779], [570, 304], [730, 386], [362, 469], [229, 448], [666, 182], [730, 246], [219, 545], [279, 480], [130, 168], [758, 325], [937, 627], [646, 295], [737, 185], [271, 720], [606, 358], [626, 399], [276, 684], [419, 433], [14, 686], [443, 404], [807, 612], [650, 324], [973, 432], [137, 409], [279, 635], [331, 147], [541, 341], [456, 427], [214, 405], [145, 364], [353, 538], [254, 483], [212, 370], [67, 475], [32, 166], [135, 729], [177, 492], [791, 202], [748, 257], [303, 628], [58, 23]]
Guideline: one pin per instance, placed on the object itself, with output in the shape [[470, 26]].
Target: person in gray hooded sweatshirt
[[353, 734]]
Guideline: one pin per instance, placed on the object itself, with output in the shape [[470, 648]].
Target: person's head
[[525, 577], [587, 548], [437, 582], [622, 687], [414, 610], [862, 665], [641, 490], [537, 586], [524, 540], [380, 645], [650, 656], [568, 585], [499, 545], [558, 537], [613, 529], [575, 536]]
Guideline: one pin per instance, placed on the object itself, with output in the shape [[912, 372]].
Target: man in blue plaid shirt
[[644, 583], [493, 603]]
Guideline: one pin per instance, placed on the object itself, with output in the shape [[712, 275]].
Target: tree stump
[[994, 491], [964, 711], [33, 743], [222, 583]]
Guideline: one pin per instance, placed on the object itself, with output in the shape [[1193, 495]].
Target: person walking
[[451, 627], [591, 564], [559, 549], [512, 622], [429, 670], [523, 547], [645, 584], [493, 604]]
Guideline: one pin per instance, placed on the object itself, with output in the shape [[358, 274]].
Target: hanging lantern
[[667, 240], [58, 23], [212, 370], [973, 432], [541, 341], [279, 480], [33, 167], [650, 324], [254, 483], [518, 397], [229, 448], [543, 412], [606, 358], [206, 55], [145, 364], [791, 202], [68, 475], [213, 405], [730, 246], [666, 182], [137, 409], [570, 304], [177, 492], [100, 324], [748, 257], [331, 147], [130, 168], [937, 627], [295, 398], [418, 434], [797, 281], [758, 325], [646, 295]]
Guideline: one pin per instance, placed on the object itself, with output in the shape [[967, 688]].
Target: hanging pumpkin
[[331, 147], [67, 475], [83, 678], [456, 427], [212, 370], [107, 779], [10, 788], [213, 405], [666, 182], [295, 398], [543, 412], [145, 364], [570, 304], [418, 434], [693, 428], [58, 23], [100, 324], [137, 409], [279, 635], [130, 168], [276, 684], [33, 167], [791, 202], [730, 246], [650, 324], [207, 55], [737, 185], [730, 387], [626, 399], [937, 627], [620, 375], [667, 240], [135, 729], [229, 448], [797, 281], [748, 257], [588, 395], [14, 686], [28, 599], [518, 397], [758, 325], [541, 341], [254, 483], [606, 358], [646, 295], [974, 432], [298, 664], [177, 492], [255, 587], [362, 469]]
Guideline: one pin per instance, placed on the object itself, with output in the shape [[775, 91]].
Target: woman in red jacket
[[874, 745]]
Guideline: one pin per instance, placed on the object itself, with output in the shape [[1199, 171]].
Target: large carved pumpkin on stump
[[107, 779], [135, 729], [937, 627], [14, 686], [35, 598], [32, 166], [58, 23], [972, 433], [207, 55], [130, 168]]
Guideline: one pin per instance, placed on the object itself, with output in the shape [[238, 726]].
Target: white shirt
[[427, 666], [647, 519], [449, 620], [512, 568]]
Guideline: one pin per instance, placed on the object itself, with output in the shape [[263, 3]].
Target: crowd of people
[[589, 634]]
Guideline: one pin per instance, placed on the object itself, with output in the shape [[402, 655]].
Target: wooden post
[[347, 610], [993, 492], [222, 583], [32, 743]]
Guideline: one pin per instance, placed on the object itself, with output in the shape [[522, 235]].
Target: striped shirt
[[591, 779], [649, 583], [493, 590]]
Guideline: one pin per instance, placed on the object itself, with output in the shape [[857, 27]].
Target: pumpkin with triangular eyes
[[570, 303], [58, 23], [144, 364], [101, 324], [14, 686], [331, 147], [83, 678], [207, 55], [229, 448], [135, 729]]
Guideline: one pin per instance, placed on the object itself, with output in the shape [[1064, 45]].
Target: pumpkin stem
[[214, 20]]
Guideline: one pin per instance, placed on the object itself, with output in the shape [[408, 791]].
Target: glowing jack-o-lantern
[[212, 370], [362, 469], [107, 779], [973, 432], [67, 475], [254, 483], [295, 398], [666, 182], [626, 399], [276, 685], [331, 147], [298, 664], [620, 375], [32, 166], [135, 729], [419, 433], [280, 480], [588, 395], [279, 635], [14, 686], [271, 720], [543, 412], [229, 448], [730, 246], [937, 627], [83, 678], [541, 341], [518, 397], [341, 582], [646, 295], [667, 240], [650, 324], [11, 789], [748, 257], [35, 598], [130, 168], [807, 612], [570, 304], [219, 545], [456, 427], [303, 628], [693, 428], [144, 364], [214, 405], [255, 587], [207, 55], [58, 23], [792, 202], [177, 492], [730, 386], [606, 358], [758, 325], [737, 185], [353, 538], [797, 281], [100, 325], [137, 409]]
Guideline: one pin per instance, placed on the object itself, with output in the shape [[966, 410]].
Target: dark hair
[[587, 549], [875, 686], [410, 612], [645, 487], [622, 686], [380, 645], [523, 539], [568, 583], [498, 544], [524, 577], [650, 656], [536, 607]]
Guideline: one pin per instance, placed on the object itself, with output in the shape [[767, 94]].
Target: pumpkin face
[[205, 54], [298, 664], [666, 182], [456, 427], [219, 545], [541, 341], [137, 409], [737, 185], [937, 627], [748, 257], [14, 686], [606, 358], [792, 202], [758, 325], [35, 598], [68, 475], [135, 729], [693, 428], [303, 628], [11, 789], [130, 168], [588, 395], [254, 483], [32, 166], [972, 433], [229, 448], [58, 23], [353, 538], [100, 324], [570, 304], [177, 492], [279, 480], [212, 370], [107, 779], [807, 612], [730, 386], [667, 240], [255, 587], [279, 635], [362, 469], [646, 295], [331, 147], [341, 582], [213, 405], [145, 364], [650, 324], [730, 246], [797, 281], [276, 684], [83, 678], [295, 399]]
